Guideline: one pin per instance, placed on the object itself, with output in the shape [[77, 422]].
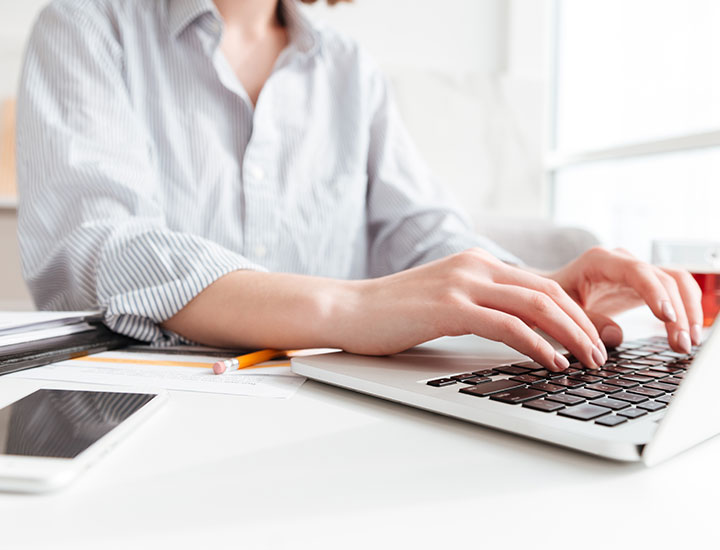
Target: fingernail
[[561, 361], [612, 336], [602, 349], [598, 357], [683, 341], [696, 333], [668, 311]]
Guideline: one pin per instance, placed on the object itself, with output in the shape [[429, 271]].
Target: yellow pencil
[[249, 359]]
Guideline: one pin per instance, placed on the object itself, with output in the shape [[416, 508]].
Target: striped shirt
[[146, 173]]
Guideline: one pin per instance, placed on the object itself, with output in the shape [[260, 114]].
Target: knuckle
[[623, 251], [463, 260], [459, 277], [510, 325], [640, 269], [553, 288], [451, 298], [481, 252], [689, 282], [537, 347], [540, 303], [667, 279]]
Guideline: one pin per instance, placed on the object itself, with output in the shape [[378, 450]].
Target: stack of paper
[[18, 327], [31, 339]]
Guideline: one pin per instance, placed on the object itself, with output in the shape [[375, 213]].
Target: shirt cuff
[[179, 274]]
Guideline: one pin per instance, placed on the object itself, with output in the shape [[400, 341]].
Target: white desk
[[329, 468]]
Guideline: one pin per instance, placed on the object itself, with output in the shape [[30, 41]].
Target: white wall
[[16, 19]]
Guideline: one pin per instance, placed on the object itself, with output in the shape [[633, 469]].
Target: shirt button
[[260, 251]]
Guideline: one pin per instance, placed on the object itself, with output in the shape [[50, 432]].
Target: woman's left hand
[[607, 282]]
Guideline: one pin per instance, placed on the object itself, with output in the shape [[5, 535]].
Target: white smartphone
[[49, 436]]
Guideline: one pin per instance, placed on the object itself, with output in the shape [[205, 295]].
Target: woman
[[230, 174]]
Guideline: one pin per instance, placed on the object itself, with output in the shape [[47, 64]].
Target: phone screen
[[63, 423]]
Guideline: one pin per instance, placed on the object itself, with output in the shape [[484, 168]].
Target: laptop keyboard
[[639, 377]]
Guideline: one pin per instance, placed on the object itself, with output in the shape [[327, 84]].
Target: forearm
[[248, 309]]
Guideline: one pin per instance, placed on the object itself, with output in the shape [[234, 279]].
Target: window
[[635, 144]]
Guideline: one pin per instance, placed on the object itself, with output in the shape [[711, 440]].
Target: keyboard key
[[651, 406], [648, 392], [586, 378], [632, 413], [605, 373], [572, 370], [630, 397], [585, 393], [483, 390], [568, 383], [620, 369], [652, 373], [460, 377], [629, 355], [511, 369], [637, 378], [526, 378], [621, 383], [547, 387], [674, 354], [610, 403], [661, 386], [565, 399], [664, 368], [484, 372], [648, 362], [672, 380], [518, 395], [584, 412], [610, 420], [664, 399], [530, 365], [548, 374], [605, 388], [543, 405], [638, 352], [475, 380], [440, 382]]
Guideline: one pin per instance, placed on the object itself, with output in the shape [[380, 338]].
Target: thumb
[[610, 332]]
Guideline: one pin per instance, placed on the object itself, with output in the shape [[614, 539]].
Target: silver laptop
[[647, 404]]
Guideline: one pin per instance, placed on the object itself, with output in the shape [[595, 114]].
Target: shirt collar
[[182, 13], [301, 31]]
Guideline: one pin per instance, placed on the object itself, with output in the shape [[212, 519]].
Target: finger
[[519, 277], [510, 330], [610, 332], [678, 330], [641, 277], [691, 296], [539, 310]]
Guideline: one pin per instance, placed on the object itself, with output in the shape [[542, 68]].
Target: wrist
[[339, 307]]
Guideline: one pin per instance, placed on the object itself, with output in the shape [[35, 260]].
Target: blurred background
[[603, 115]]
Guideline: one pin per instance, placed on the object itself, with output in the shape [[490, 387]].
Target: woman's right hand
[[467, 293]]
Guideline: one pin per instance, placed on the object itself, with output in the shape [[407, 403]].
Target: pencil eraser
[[219, 367]]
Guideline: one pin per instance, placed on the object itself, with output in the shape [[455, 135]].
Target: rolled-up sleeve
[[411, 218], [92, 228]]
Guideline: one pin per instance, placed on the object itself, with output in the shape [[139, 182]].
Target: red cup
[[710, 285]]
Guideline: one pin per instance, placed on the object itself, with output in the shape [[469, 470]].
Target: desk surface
[[329, 468]]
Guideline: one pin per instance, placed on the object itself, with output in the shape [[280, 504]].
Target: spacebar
[[483, 390]]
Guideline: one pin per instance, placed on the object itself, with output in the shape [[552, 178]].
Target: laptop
[[647, 404]]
